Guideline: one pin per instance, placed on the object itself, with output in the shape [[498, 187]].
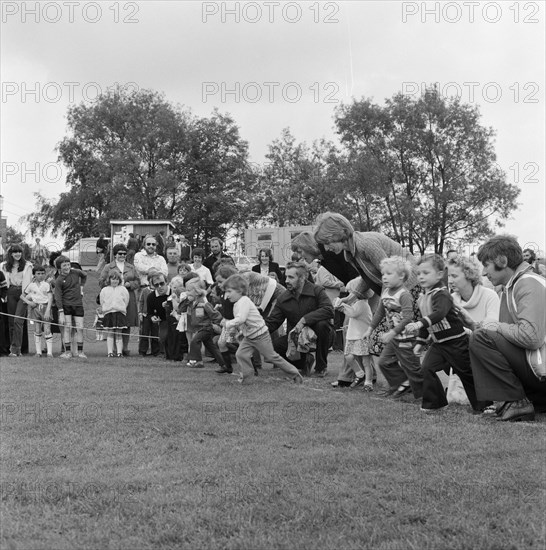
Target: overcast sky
[[272, 65]]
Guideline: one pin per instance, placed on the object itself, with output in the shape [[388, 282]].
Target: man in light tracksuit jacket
[[499, 351]]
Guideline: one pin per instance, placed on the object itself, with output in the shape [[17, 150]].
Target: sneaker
[[340, 384], [367, 387], [81, 355], [429, 411], [195, 364], [66, 355], [110, 355], [357, 381], [401, 391], [14, 354]]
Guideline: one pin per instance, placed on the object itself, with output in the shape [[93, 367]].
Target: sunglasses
[[158, 285], [151, 244], [121, 254]]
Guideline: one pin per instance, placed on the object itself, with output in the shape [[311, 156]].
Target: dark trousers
[[339, 340], [177, 344], [147, 328], [398, 363], [325, 336], [454, 354], [501, 372], [204, 336], [18, 329], [4, 330]]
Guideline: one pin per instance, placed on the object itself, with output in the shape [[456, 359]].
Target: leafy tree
[[434, 165], [298, 183], [134, 155]]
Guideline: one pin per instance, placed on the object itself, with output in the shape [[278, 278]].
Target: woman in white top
[[204, 273], [18, 273], [477, 304]]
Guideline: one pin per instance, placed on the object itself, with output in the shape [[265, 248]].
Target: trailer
[[278, 239]]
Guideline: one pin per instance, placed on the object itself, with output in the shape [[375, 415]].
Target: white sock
[[38, 343], [49, 344], [360, 373]]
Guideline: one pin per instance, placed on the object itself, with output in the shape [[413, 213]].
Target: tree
[[298, 183], [435, 168], [134, 155]]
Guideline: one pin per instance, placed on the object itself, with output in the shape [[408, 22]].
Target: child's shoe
[[119, 355], [368, 387], [81, 355], [192, 364], [66, 355], [357, 381], [241, 378], [110, 355]]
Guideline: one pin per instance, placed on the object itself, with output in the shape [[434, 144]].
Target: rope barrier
[[85, 329]]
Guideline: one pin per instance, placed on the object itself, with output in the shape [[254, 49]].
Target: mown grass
[[143, 454]]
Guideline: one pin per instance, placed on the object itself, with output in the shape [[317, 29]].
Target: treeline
[[422, 170]]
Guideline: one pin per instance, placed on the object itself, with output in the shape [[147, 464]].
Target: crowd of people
[[478, 319]]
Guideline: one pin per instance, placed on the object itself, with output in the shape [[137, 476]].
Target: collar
[[438, 286], [522, 268]]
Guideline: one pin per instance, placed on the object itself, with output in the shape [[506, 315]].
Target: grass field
[[140, 454]]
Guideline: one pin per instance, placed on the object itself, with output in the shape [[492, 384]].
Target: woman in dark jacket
[[267, 265]]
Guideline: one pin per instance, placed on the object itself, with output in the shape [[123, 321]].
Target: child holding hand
[[397, 306]]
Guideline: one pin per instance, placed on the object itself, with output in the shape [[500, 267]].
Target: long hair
[[10, 262]]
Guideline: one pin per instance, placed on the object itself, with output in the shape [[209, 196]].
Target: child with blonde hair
[[255, 333], [396, 305]]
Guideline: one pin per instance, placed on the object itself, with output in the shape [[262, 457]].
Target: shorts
[[37, 313], [73, 311]]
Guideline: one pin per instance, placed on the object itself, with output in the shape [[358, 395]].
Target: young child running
[[39, 297], [114, 300], [441, 324], [255, 333], [357, 353], [68, 297], [397, 305]]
